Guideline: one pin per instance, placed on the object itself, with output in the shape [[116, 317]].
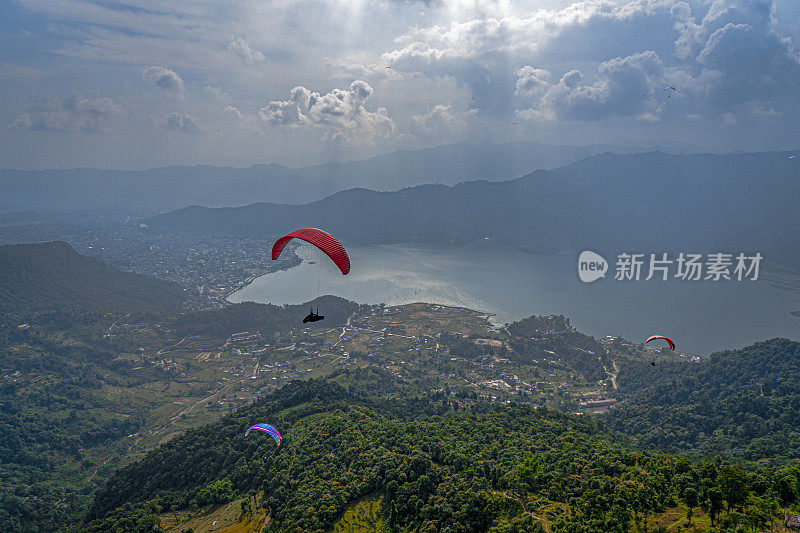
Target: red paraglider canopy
[[669, 341], [322, 240]]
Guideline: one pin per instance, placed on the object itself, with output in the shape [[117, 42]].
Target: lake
[[700, 316]]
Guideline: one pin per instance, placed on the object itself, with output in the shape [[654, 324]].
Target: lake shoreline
[[510, 285]]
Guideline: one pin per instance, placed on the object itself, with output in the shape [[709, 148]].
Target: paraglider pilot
[[312, 317]]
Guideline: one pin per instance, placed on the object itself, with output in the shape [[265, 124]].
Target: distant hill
[[737, 403], [159, 189], [653, 202], [52, 276]]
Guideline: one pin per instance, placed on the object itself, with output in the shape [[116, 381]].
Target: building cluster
[[211, 268], [247, 343]]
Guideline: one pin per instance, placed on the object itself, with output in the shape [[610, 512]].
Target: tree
[[715, 503], [732, 481], [690, 498]]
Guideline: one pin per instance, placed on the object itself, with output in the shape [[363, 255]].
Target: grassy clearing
[[239, 516], [363, 517]]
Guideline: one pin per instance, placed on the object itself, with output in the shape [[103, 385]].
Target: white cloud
[[166, 79], [216, 93], [731, 57], [601, 61], [441, 121], [233, 112], [241, 49], [181, 122], [15, 72], [341, 112], [486, 54], [73, 113], [623, 87], [531, 81], [741, 54]]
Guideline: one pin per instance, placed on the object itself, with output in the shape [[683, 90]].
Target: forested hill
[[513, 468], [733, 202], [52, 276], [743, 403], [268, 317]]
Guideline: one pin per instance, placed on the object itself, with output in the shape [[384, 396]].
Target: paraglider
[[654, 337], [322, 240], [667, 88], [265, 428], [515, 124], [313, 317], [323, 243]]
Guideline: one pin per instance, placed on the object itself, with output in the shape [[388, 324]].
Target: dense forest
[[738, 403], [542, 336], [51, 430], [252, 316], [51, 276], [462, 471]]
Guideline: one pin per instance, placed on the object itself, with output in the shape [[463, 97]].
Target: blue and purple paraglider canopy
[[265, 428]]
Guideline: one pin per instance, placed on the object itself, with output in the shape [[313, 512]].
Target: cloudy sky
[[124, 84]]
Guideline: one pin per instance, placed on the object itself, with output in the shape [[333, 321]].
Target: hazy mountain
[[52, 276], [653, 202], [173, 187]]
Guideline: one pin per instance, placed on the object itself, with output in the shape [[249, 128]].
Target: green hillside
[[86, 393], [738, 403], [515, 468], [52, 276]]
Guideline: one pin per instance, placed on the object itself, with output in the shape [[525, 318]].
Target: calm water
[[700, 316]]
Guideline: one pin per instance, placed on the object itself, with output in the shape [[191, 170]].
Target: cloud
[[15, 72], [240, 48], [73, 113], [166, 79], [729, 119], [233, 112], [600, 63], [216, 93], [741, 55], [531, 81], [754, 66], [181, 122], [341, 112], [730, 58], [441, 121], [485, 54], [623, 87]]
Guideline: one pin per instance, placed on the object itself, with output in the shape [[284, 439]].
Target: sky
[[130, 85]]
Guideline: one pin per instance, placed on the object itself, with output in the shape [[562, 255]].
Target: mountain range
[[646, 202], [159, 189]]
